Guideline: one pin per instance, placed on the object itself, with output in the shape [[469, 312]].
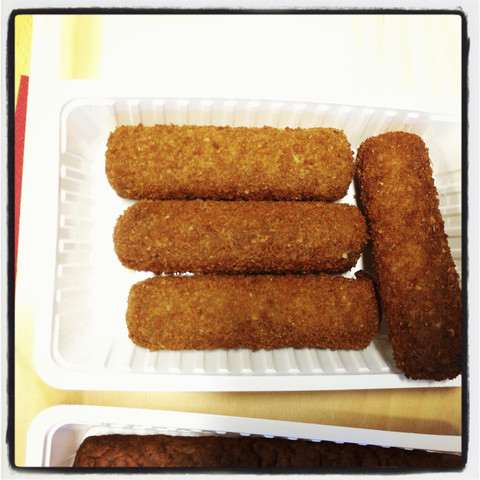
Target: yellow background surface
[[431, 411]]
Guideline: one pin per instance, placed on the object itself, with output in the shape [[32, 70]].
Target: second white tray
[[56, 433]]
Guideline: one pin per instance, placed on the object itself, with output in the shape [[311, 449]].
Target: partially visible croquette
[[198, 236], [207, 312], [418, 285], [228, 451], [227, 163]]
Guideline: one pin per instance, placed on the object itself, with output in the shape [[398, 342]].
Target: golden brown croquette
[[209, 162], [207, 312], [198, 236], [418, 284]]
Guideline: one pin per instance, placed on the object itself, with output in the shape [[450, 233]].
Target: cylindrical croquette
[[417, 281], [208, 236], [227, 163], [207, 312], [191, 451]]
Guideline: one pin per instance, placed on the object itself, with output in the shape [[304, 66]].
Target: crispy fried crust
[[187, 162], [418, 284], [199, 236], [207, 312], [213, 451]]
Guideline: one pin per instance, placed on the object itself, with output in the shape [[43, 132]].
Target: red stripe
[[20, 123]]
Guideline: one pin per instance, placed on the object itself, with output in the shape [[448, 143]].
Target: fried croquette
[[175, 236], [227, 163], [158, 450], [207, 312], [417, 281]]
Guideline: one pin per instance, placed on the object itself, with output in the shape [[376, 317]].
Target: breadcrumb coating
[[207, 312], [417, 281], [198, 236], [226, 163], [158, 450]]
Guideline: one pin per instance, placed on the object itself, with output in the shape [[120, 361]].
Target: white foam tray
[[81, 339], [56, 433]]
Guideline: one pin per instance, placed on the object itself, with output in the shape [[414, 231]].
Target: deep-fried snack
[[207, 312], [171, 236], [116, 450], [226, 163], [418, 284]]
